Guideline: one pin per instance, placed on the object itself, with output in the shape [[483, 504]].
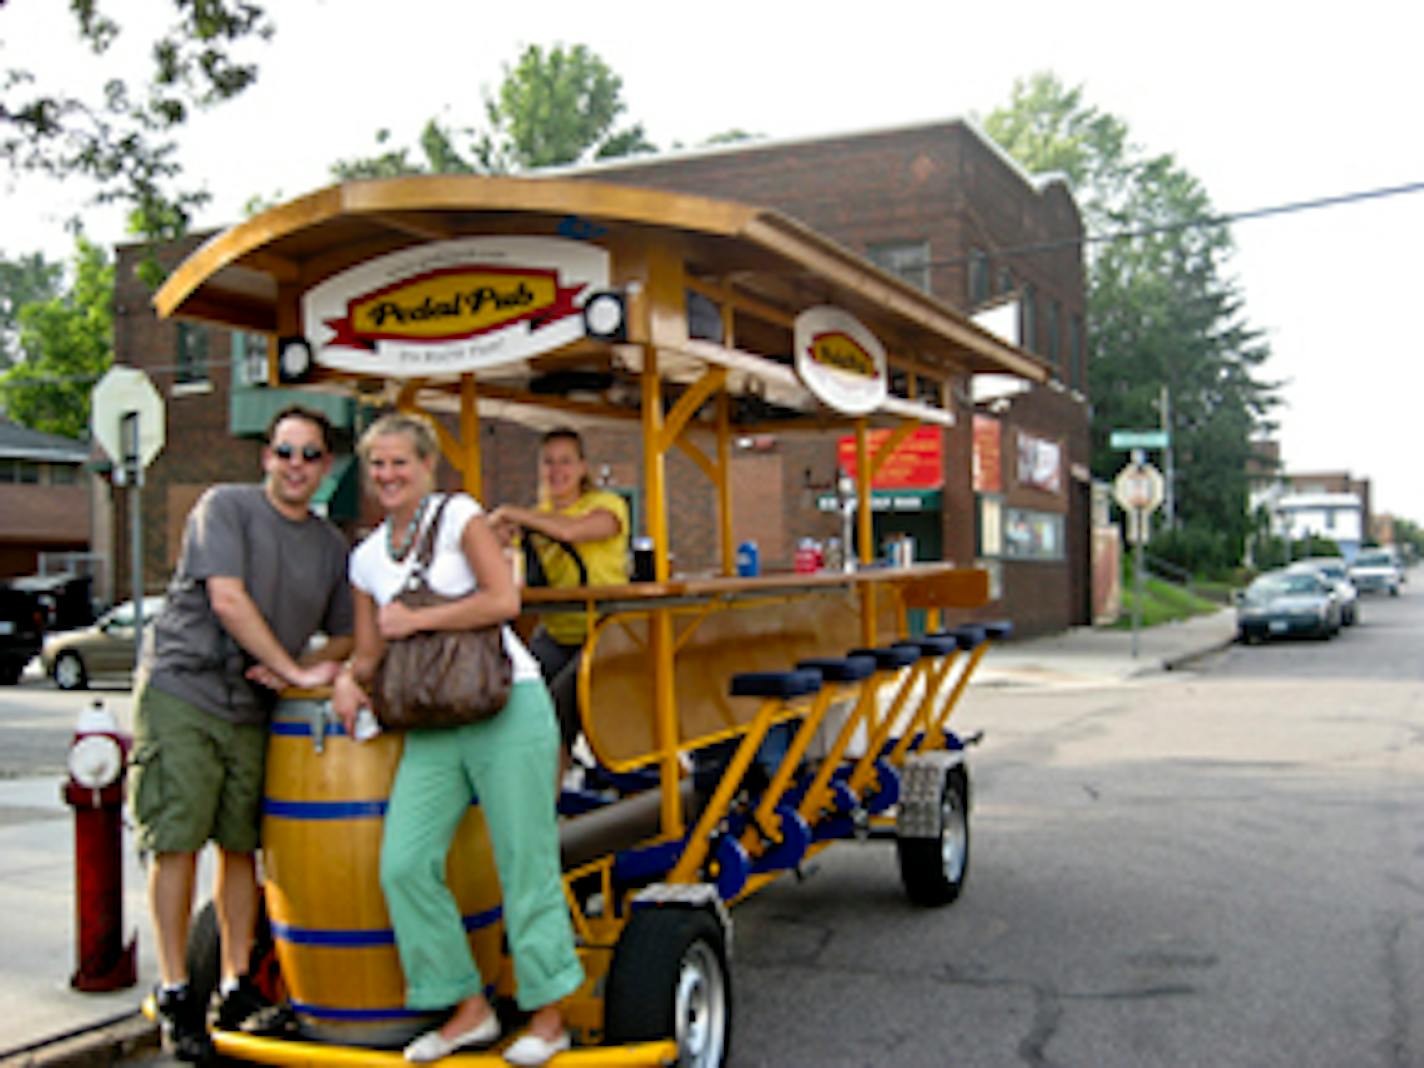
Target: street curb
[[105, 1044], [1172, 663]]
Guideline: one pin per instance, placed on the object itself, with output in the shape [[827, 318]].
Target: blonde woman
[[508, 761]]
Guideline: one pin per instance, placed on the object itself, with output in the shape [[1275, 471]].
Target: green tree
[[552, 107], [67, 342], [28, 280], [1162, 314], [122, 141]]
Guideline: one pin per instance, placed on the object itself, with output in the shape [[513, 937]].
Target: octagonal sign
[[120, 391]]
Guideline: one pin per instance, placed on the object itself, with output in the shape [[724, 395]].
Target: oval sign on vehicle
[[839, 360]]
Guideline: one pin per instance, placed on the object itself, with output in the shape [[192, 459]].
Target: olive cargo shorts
[[194, 777]]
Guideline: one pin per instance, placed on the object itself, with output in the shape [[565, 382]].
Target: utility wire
[[1192, 224]]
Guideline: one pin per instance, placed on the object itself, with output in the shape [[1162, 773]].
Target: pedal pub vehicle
[[808, 711]]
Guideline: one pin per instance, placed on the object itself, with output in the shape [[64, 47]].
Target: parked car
[[1337, 573], [1281, 604], [106, 649], [1377, 571], [21, 632]]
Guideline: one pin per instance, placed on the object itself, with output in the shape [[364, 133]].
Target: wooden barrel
[[323, 812]]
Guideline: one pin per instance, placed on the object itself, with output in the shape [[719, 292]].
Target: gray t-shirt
[[295, 573]]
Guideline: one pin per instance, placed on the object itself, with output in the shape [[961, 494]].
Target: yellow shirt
[[606, 560]]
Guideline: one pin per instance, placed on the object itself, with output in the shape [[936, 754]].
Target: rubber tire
[[648, 977], [79, 680], [204, 955], [922, 862], [10, 672]]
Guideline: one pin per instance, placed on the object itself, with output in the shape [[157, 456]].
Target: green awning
[[339, 495]]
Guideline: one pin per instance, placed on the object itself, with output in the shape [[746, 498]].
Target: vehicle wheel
[[204, 955], [10, 672], [1394, 591], [69, 673], [933, 869], [669, 978]]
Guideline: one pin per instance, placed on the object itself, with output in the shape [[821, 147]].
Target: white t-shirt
[[373, 572]]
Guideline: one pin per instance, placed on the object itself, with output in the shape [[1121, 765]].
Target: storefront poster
[[988, 455], [1040, 463]]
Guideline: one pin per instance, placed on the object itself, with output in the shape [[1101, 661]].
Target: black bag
[[440, 678]]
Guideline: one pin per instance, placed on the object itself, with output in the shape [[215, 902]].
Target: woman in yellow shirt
[[595, 522]]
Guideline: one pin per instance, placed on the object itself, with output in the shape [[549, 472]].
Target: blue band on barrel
[[328, 1012], [363, 938], [300, 728], [323, 810]]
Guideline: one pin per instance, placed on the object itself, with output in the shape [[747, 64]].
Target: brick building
[[44, 498], [944, 208], [937, 204]]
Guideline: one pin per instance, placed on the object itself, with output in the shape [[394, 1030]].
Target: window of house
[[249, 359], [978, 276], [63, 474], [1006, 280], [1055, 327], [26, 471], [909, 260], [1076, 371], [192, 354], [1028, 318]]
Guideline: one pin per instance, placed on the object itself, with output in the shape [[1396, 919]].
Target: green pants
[[508, 762]]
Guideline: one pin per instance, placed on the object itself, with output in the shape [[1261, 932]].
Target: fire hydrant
[[95, 790]]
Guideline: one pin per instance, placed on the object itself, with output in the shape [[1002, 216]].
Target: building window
[[1077, 373], [1055, 326], [908, 260], [192, 354], [978, 276], [249, 360], [1028, 321], [63, 474], [1006, 280], [26, 471]]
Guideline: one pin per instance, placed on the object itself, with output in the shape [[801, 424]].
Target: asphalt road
[[1222, 866]]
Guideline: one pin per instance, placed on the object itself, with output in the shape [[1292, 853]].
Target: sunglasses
[[310, 453]]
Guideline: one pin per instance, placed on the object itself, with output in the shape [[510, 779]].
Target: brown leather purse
[[440, 678]]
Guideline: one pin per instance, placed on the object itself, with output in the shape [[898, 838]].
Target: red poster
[[917, 464], [988, 455]]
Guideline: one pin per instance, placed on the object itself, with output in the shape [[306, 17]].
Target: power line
[[1206, 222]]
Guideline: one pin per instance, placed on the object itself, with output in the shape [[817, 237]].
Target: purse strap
[[426, 552]]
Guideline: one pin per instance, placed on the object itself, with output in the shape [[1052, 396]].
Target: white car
[[1376, 571], [1334, 571]]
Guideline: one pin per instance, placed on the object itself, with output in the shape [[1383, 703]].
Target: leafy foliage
[[67, 341], [122, 142], [1162, 314], [27, 280], [553, 107]]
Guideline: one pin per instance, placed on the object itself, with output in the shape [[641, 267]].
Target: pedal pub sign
[[454, 306]]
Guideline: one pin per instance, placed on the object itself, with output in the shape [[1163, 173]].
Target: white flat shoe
[[432, 1045], [530, 1050]]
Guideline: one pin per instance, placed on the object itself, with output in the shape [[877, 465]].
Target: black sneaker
[[180, 1021], [239, 1007]]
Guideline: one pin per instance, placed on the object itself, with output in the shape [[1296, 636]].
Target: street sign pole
[[1137, 580], [133, 475]]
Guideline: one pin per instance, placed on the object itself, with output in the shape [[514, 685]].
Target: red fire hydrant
[[95, 790]]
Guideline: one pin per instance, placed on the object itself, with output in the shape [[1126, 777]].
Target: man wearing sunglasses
[[258, 575]]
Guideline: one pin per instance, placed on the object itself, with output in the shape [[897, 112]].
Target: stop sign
[[123, 390]]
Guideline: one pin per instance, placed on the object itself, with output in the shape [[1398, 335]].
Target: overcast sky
[[1266, 103]]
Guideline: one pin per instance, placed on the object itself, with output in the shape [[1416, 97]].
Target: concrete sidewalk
[[43, 1021]]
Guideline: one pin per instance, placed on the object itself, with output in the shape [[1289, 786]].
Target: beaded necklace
[[401, 551]]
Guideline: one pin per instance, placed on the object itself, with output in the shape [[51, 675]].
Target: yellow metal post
[[724, 484], [661, 645], [470, 438]]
